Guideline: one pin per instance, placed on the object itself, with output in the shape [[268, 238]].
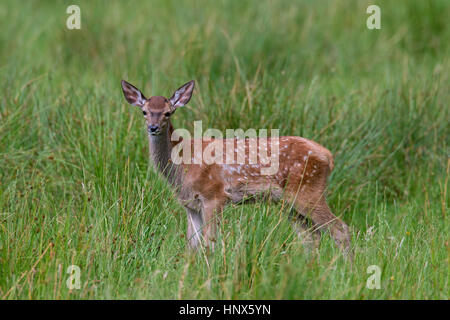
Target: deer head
[[157, 110]]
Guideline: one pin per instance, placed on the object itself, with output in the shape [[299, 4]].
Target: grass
[[75, 182]]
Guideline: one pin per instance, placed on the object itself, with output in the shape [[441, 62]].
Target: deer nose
[[153, 128]]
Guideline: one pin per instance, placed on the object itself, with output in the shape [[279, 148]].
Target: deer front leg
[[211, 210], [194, 230]]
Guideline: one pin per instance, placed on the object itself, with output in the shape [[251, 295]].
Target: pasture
[[76, 187]]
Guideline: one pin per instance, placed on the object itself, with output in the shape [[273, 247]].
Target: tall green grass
[[76, 189]]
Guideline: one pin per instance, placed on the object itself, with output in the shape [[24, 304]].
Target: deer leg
[[322, 216], [307, 234], [211, 209], [324, 219], [194, 230]]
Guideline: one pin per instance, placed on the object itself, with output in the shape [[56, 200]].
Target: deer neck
[[160, 147]]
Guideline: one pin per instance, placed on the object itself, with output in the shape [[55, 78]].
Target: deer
[[205, 189]]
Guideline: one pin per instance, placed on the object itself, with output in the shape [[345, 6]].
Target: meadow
[[76, 187]]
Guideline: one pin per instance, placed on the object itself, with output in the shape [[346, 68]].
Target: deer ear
[[182, 95], [132, 94]]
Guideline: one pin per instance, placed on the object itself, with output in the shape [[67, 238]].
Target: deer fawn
[[204, 189]]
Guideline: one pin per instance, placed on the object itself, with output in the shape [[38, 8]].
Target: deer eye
[[167, 114], [145, 113]]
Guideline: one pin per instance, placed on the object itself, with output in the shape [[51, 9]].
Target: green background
[[76, 188]]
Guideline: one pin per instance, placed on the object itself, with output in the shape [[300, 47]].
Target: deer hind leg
[[309, 237], [323, 219], [194, 230]]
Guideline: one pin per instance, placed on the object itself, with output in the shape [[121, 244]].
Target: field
[[76, 187]]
